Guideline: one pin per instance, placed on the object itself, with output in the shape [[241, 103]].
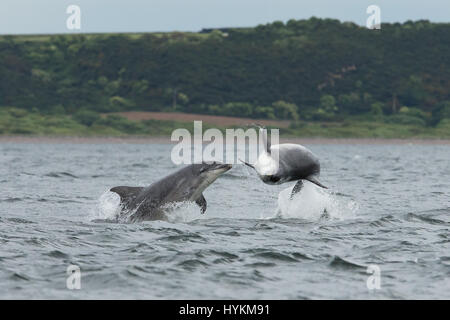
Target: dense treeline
[[316, 69]]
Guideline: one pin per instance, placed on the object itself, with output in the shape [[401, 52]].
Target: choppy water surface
[[388, 205]]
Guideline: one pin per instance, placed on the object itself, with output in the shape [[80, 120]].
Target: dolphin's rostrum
[[186, 184]]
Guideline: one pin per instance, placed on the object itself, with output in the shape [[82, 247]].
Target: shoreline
[[165, 140]]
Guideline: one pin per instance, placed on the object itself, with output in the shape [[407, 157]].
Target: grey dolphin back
[[298, 161], [302, 163]]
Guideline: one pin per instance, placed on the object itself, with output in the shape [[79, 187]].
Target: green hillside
[[308, 70]]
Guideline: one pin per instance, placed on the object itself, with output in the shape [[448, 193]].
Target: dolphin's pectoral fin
[[127, 193], [201, 201], [314, 180], [298, 186]]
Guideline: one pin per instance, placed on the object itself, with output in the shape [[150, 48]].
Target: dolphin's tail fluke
[[314, 180]]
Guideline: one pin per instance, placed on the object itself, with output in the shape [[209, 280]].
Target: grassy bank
[[364, 129], [19, 122], [15, 121]]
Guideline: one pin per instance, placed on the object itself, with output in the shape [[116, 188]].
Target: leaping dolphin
[[286, 162], [186, 184]]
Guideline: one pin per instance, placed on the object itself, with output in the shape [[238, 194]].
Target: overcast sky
[[49, 16]]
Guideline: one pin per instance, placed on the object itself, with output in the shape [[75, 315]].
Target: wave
[[14, 199], [19, 220], [341, 263], [426, 218], [60, 175]]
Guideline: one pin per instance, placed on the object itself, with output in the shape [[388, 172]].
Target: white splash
[[108, 207], [183, 212], [266, 165], [314, 203]]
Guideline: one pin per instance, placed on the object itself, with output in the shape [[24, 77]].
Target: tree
[[350, 102], [328, 104], [264, 112], [413, 92], [285, 110], [377, 109], [241, 109], [183, 99]]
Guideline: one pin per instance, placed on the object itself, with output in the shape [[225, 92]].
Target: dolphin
[[186, 184], [286, 162]]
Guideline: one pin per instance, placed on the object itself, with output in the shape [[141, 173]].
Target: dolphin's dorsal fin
[[314, 180], [201, 201], [127, 193]]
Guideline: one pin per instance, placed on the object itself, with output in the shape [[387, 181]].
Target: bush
[[441, 111], [444, 124], [21, 130], [297, 125], [17, 113], [351, 102], [406, 119], [215, 109], [376, 109], [86, 117], [285, 110], [415, 112], [328, 104], [119, 103], [264, 112], [122, 124], [322, 115], [58, 109], [238, 109]]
